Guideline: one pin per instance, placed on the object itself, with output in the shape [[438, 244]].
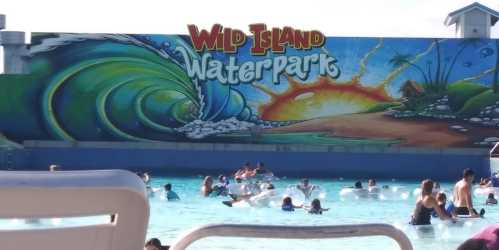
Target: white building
[[473, 21]]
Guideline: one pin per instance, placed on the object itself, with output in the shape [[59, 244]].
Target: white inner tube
[[381, 193], [484, 192]]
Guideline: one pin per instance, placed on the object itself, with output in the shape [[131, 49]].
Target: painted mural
[[277, 86]]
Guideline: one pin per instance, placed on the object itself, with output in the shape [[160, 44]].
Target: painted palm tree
[[401, 59], [462, 46]]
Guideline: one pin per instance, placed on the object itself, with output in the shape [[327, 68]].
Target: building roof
[[453, 17]]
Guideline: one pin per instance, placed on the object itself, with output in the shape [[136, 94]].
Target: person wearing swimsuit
[[287, 205], [462, 195], [425, 206]]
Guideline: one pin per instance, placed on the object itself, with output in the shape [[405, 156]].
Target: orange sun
[[321, 98]]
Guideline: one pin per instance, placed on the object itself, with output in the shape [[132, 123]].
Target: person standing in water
[[316, 208], [306, 188], [170, 195], [462, 195], [207, 187], [288, 206], [425, 205]]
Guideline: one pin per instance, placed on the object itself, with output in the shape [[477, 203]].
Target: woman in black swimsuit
[[425, 205]]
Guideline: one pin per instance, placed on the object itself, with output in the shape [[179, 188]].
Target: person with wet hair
[[155, 244], [462, 195], [207, 186], [316, 208], [425, 206], [306, 188], [170, 195], [491, 200]]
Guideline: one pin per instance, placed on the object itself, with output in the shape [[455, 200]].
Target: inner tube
[[390, 193], [354, 193], [484, 192]]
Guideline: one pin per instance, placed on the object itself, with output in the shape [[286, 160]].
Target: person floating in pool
[[169, 194], [491, 200], [462, 196], [288, 206], [306, 188], [207, 187], [425, 205], [357, 185], [316, 208]]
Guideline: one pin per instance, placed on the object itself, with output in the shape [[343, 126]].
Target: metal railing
[[292, 232]]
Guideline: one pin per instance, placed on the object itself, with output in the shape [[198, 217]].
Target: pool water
[[170, 219]]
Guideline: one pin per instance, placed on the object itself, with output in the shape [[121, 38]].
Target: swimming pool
[[169, 219]]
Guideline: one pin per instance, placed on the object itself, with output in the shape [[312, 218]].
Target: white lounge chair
[[75, 194]]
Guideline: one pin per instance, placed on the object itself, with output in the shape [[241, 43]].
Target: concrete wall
[[290, 160]]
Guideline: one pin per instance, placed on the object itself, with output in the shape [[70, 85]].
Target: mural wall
[[340, 91]]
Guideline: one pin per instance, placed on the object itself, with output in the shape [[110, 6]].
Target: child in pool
[[155, 244], [315, 207], [442, 202], [169, 194], [491, 200], [287, 205]]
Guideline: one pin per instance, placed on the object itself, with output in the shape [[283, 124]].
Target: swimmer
[[357, 185], [306, 188], [155, 244], [287, 205], [55, 168], [371, 186], [425, 206], [462, 196], [491, 200], [221, 187], [315, 207], [244, 172], [145, 177], [207, 187], [169, 194], [442, 201], [260, 168]]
